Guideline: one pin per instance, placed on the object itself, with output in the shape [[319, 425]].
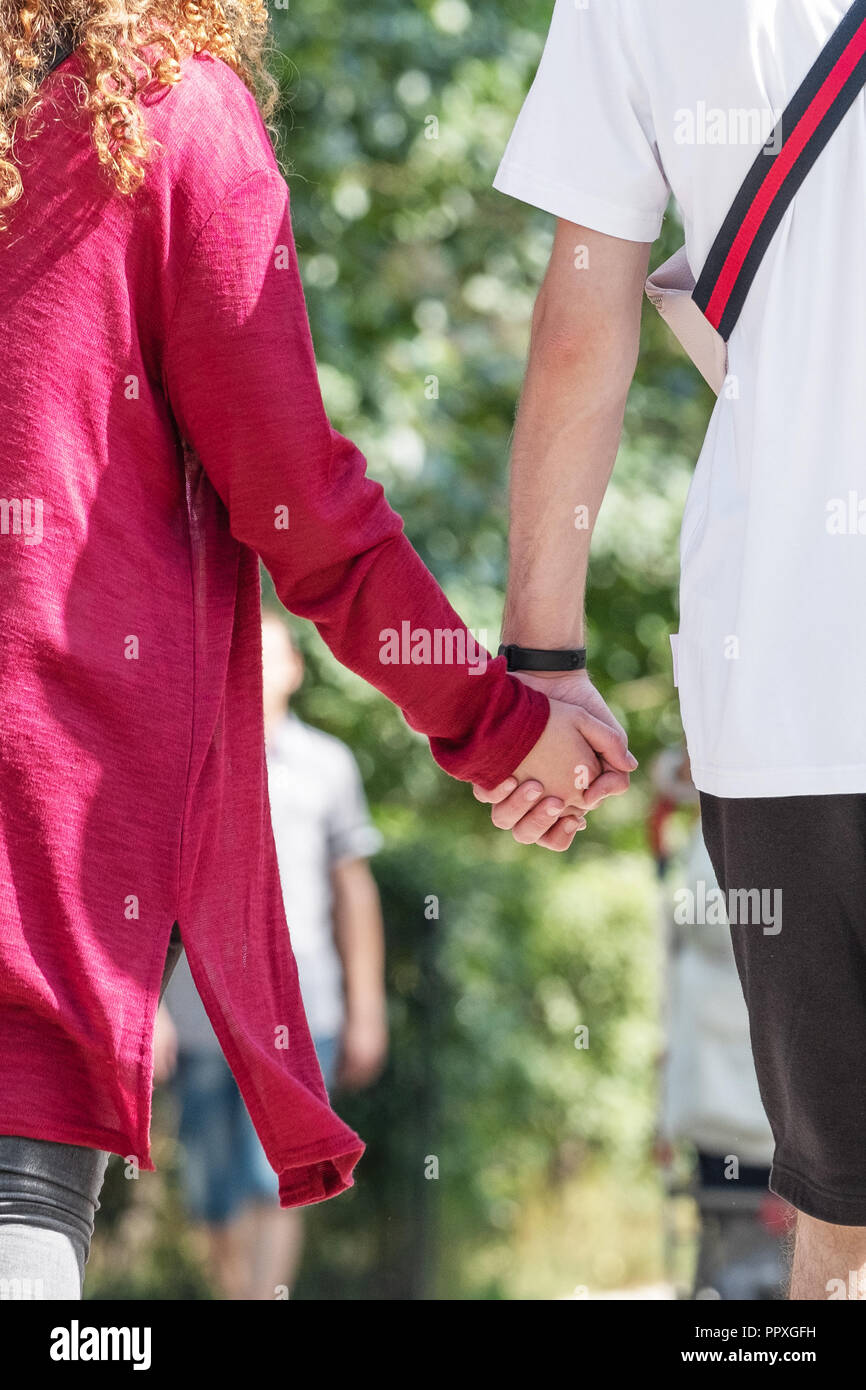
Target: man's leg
[[278, 1242], [274, 1236], [793, 870], [206, 1091], [277, 1234], [829, 1261], [229, 1255]]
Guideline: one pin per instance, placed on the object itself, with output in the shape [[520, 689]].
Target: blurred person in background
[[710, 1099], [324, 837]]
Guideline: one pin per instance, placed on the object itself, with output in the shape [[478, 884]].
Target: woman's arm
[[240, 375]]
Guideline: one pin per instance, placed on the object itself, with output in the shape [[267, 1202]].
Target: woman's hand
[[606, 734], [532, 818], [520, 805]]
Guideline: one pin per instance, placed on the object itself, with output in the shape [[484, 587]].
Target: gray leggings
[[49, 1196]]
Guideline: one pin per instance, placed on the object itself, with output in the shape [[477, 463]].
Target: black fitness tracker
[[534, 659]]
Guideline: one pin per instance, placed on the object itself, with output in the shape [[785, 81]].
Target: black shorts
[[797, 869]]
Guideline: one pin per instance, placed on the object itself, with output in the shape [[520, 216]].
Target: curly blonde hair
[[126, 47]]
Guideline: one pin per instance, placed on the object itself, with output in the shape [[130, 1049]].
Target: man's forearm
[[582, 356], [564, 448], [360, 938]]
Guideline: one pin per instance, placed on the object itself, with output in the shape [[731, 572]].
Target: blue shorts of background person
[[223, 1164]]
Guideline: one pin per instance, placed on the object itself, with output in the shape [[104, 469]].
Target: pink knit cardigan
[[161, 427]]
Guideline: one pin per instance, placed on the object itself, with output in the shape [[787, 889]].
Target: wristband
[[535, 659]]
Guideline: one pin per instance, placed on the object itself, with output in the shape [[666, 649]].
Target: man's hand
[[363, 1050], [360, 941], [519, 804], [164, 1046], [582, 355]]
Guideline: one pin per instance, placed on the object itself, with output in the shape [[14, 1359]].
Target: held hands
[[581, 758]]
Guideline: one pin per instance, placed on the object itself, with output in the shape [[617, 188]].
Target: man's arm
[[582, 356], [583, 353], [164, 1046], [360, 941]]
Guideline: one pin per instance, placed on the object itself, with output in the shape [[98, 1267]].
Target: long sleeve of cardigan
[[241, 379]]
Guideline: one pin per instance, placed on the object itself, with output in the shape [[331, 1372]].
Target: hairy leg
[[829, 1261]]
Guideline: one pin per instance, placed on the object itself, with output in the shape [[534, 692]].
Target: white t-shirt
[[637, 99], [320, 817]]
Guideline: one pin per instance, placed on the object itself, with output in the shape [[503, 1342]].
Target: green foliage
[[487, 1081]]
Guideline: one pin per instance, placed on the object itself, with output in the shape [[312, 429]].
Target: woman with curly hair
[[161, 427]]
